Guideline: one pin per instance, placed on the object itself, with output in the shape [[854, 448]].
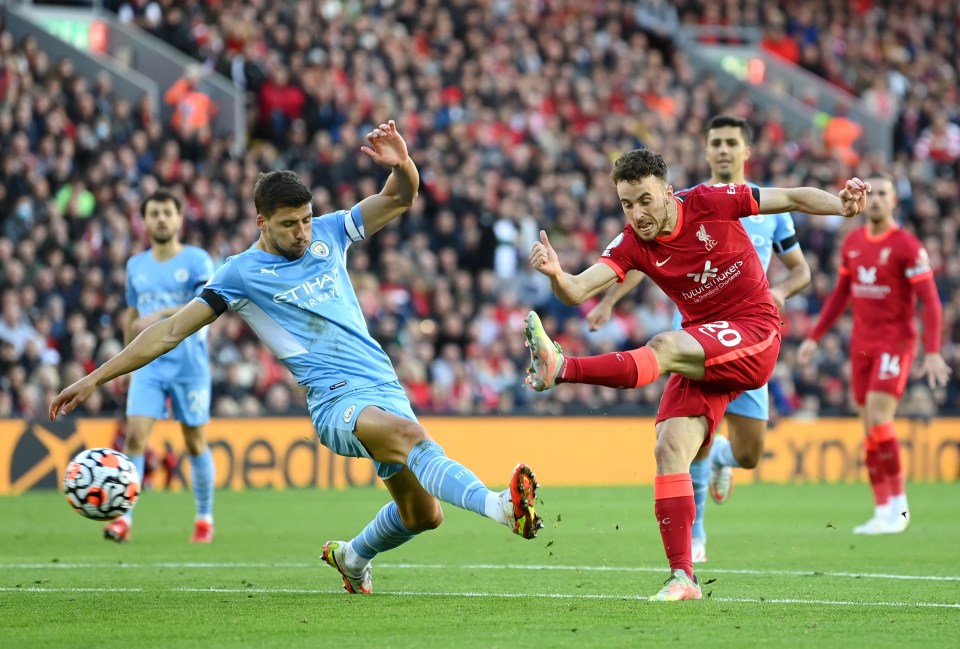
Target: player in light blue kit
[[160, 280], [727, 141], [293, 290]]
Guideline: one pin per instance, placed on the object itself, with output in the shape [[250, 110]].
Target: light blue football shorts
[[752, 403], [336, 419], [147, 397]]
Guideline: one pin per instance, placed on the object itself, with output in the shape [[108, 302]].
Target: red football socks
[[675, 509], [878, 477], [884, 437], [631, 369]]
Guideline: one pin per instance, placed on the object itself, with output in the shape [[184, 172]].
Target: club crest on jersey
[[181, 274], [884, 255], [866, 275], [613, 244], [348, 413], [319, 249], [708, 241]]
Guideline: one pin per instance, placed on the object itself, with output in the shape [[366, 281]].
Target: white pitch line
[[639, 598], [409, 593], [478, 566], [41, 589]]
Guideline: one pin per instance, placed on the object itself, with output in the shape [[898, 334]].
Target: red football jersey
[[708, 265], [882, 272]]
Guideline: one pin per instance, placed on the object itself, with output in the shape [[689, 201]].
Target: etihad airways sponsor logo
[[313, 291]]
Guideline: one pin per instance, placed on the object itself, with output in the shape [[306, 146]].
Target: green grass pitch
[[784, 570]]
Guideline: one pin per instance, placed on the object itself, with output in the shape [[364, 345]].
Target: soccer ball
[[101, 483]]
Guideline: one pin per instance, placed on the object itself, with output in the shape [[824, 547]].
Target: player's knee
[[670, 357], [873, 419], [749, 458], [410, 434], [425, 519], [135, 442], [195, 440], [664, 345]]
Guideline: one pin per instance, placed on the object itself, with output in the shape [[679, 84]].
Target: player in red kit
[[883, 269], [692, 245]]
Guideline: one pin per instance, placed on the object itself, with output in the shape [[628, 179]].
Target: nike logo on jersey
[[661, 263], [269, 271], [854, 253]]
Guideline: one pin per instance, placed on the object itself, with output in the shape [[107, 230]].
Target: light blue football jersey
[[306, 311], [769, 233], [154, 285]]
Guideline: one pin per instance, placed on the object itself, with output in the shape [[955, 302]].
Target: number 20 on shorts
[[723, 332]]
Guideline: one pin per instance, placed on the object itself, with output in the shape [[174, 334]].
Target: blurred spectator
[[515, 112], [193, 110]]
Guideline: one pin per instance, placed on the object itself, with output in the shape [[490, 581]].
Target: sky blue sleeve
[[130, 292], [227, 284], [785, 235], [204, 269], [341, 228]]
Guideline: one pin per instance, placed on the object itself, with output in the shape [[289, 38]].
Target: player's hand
[[778, 297], [936, 370], [386, 145], [854, 197], [71, 397], [544, 258], [599, 315], [805, 351]]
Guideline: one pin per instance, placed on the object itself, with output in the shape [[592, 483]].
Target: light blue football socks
[[202, 477], [700, 475], [139, 463], [447, 480], [385, 532]]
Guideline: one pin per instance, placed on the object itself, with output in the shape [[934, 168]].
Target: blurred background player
[[883, 269], [692, 245], [727, 150], [293, 289], [160, 280]]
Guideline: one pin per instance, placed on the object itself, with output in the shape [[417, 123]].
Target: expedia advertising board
[[284, 453]]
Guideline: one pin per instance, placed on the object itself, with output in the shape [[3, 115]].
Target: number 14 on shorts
[[889, 366]]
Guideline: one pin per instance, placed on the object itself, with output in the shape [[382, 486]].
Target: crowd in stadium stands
[[513, 112]]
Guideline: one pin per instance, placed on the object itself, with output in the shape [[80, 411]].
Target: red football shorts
[[740, 355], [879, 371]]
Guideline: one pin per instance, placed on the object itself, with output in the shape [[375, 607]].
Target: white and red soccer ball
[[101, 483]]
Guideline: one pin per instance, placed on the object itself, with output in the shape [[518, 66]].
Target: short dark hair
[[723, 121], [160, 196], [278, 189], [634, 166], [883, 175]]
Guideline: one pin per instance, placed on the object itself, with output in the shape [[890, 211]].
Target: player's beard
[[160, 239], [288, 254], [725, 176]]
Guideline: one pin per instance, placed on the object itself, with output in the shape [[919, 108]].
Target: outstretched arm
[[850, 201], [569, 289], [154, 342], [388, 149]]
